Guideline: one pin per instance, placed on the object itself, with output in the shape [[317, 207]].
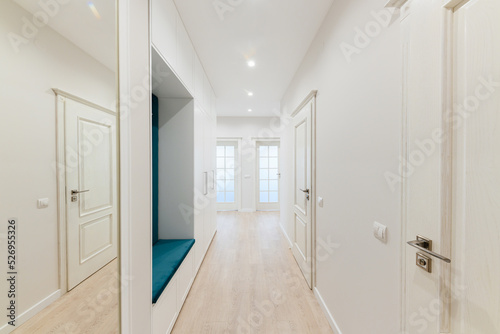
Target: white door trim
[[446, 223], [61, 97], [311, 97]]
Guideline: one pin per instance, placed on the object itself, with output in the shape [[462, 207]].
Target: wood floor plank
[[91, 307], [250, 283]]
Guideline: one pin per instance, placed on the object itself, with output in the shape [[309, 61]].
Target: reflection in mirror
[[59, 167]]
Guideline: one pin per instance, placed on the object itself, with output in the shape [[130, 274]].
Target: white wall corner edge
[[290, 244], [329, 316], [32, 311]]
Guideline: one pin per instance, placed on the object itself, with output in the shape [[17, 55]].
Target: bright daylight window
[[225, 174], [268, 174]]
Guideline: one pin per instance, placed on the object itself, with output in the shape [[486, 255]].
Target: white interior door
[[458, 207], [268, 176], [91, 186], [302, 236], [475, 306], [228, 175]]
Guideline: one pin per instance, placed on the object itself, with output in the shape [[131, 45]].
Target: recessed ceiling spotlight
[[249, 110], [250, 93], [251, 63]]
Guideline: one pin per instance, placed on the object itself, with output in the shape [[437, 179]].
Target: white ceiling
[[76, 21], [274, 33]]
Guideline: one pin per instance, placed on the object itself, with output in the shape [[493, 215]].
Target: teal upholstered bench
[[167, 258]]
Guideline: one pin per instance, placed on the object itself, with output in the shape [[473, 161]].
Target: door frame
[[311, 97], [255, 140], [445, 225], [60, 166], [237, 176]]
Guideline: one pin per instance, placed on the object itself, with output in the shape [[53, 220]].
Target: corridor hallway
[[249, 282]]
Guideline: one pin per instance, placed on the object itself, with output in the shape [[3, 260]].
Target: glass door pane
[[226, 171], [268, 175]]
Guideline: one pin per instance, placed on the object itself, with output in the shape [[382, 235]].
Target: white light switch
[[320, 202], [43, 203], [380, 231]]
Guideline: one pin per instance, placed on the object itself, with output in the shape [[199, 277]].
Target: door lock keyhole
[[424, 262]]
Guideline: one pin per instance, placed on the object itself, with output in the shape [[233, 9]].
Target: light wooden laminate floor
[[250, 283], [91, 307]]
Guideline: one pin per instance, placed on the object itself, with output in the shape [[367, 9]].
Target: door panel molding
[[87, 254]]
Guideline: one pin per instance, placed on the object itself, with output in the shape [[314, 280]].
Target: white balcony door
[[227, 175], [268, 176]]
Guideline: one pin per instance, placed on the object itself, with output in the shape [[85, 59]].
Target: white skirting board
[[286, 235], [198, 265], [32, 311], [247, 210], [325, 309]]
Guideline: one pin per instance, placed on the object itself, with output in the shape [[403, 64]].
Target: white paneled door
[[302, 208], [458, 207], [268, 176], [91, 189]]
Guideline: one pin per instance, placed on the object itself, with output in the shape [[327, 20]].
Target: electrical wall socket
[[380, 231], [43, 203]]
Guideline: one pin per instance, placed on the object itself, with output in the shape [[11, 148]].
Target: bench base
[[167, 308]]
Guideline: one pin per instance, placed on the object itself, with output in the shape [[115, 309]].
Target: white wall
[[358, 140], [176, 169], [248, 128], [28, 144]]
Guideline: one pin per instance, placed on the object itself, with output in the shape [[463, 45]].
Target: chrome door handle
[[424, 244], [75, 192], [305, 191]]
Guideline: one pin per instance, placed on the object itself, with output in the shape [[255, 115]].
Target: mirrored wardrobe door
[[59, 167]]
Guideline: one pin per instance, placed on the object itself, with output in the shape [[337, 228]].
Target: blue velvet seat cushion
[[167, 258]]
